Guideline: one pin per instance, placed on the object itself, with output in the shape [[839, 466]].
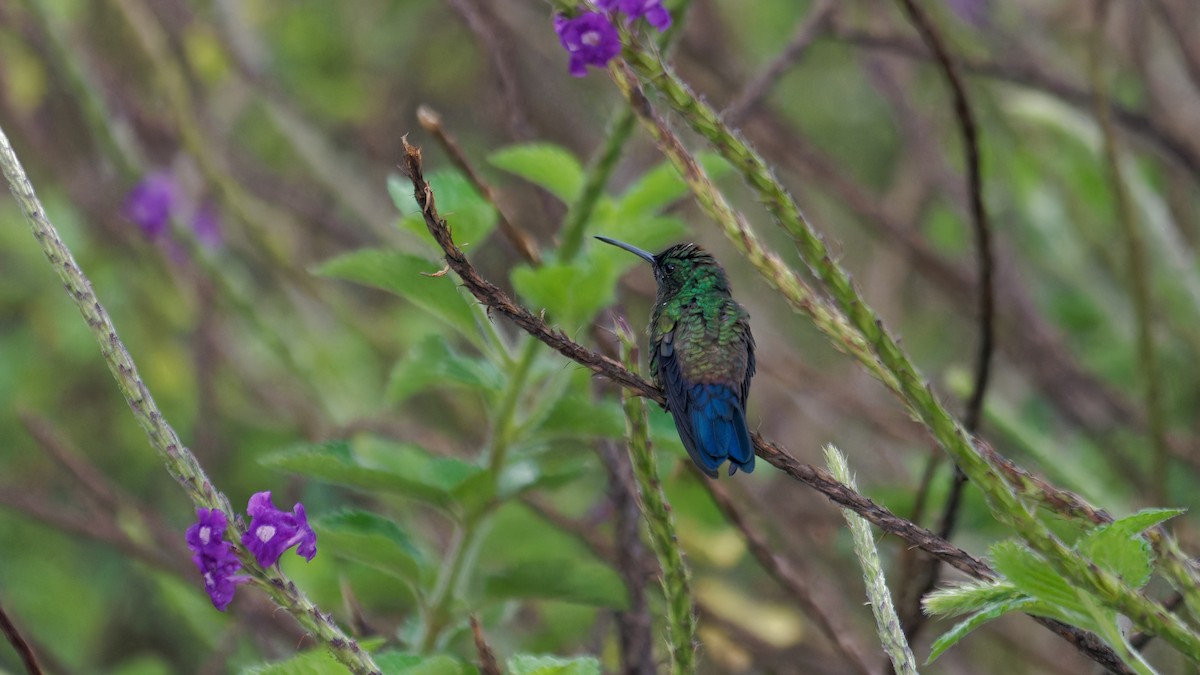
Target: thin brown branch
[[1176, 27], [1029, 75], [487, 658], [496, 300], [19, 644], [984, 288], [762, 84], [485, 27], [520, 239]]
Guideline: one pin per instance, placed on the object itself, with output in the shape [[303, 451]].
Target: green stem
[[915, 393], [598, 173], [180, 462], [620, 128], [681, 620], [468, 535]]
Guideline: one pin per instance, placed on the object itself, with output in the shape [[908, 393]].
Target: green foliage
[[319, 662], [375, 541], [470, 216], [525, 664], [434, 362], [412, 278], [1030, 584], [559, 579], [545, 165], [378, 466], [662, 186]]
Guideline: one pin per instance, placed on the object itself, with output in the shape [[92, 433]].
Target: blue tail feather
[[713, 429]]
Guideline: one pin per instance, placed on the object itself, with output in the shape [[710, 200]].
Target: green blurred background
[[287, 118]]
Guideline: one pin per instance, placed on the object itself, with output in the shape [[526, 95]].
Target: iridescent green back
[[696, 314]]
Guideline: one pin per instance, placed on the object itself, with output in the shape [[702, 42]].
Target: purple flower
[[656, 15], [150, 203], [206, 224], [272, 531], [589, 38], [214, 557]]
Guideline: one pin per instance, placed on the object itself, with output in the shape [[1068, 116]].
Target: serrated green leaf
[[965, 627], [569, 580], [377, 466], [470, 217], [967, 597], [527, 664], [407, 275], [434, 362], [1120, 548], [373, 540], [543, 164], [663, 185], [400, 663], [1134, 525], [571, 293], [1033, 575]]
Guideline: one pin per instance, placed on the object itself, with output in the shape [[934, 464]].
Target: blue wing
[[709, 417]]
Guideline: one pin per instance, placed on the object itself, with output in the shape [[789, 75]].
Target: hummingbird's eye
[[670, 269]]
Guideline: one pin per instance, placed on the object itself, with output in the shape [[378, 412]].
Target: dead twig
[[520, 239]]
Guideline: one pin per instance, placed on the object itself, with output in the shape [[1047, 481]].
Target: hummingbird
[[702, 355]]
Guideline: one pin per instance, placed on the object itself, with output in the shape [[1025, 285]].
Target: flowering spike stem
[[681, 620], [181, 463], [884, 353], [620, 128], [887, 623]]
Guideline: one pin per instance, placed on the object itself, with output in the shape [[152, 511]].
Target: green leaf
[[963, 628], [569, 580], [407, 275], [575, 416], [543, 164], [1134, 525], [377, 466], [520, 477], [663, 185], [374, 541], [1033, 575], [1120, 548], [526, 664], [434, 361], [400, 663], [311, 662], [470, 216], [571, 293], [967, 597]]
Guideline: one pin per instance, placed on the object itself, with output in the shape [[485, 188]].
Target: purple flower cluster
[[656, 15], [214, 557], [591, 38], [271, 533], [157, 197]]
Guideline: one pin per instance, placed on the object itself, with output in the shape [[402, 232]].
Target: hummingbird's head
[[679, 267]]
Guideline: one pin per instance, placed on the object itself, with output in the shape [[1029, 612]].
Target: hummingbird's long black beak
[[644, 255]]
